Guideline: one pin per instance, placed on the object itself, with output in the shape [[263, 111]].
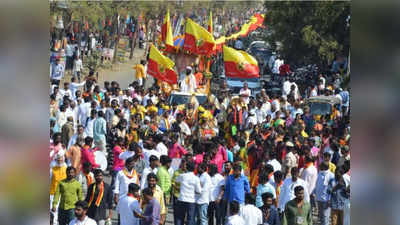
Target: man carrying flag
[[240, 64], [161, 67]]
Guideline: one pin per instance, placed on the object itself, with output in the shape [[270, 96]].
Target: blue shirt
[[261, 189], [235, 189], [273, 218], [230, 155], [100, 129], [322, 185]]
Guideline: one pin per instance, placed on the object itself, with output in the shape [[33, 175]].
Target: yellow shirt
[[332, 167], [58, 174], [159, 196], [139, 71]]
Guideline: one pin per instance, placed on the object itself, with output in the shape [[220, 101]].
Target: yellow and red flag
[[210, 24], [166, 34], [161, 67], [197, 39], [239, 64]]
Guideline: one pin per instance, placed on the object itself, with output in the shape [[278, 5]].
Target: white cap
[[189, 68], [289, 144], [147, 118]]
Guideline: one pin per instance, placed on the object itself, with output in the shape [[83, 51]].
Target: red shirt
[[88, 156]]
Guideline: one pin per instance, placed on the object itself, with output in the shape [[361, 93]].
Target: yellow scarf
[[88, 178], [99, 197], [130, 175]]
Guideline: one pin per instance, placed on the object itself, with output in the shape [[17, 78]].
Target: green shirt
[[294, 216], [164, 180], [70, 192], [175, 191]]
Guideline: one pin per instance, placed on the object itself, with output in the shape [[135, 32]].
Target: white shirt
[[122, 182], [61, 118], [147, 153], [261, 115], [126, 154], [89, 127], [287, 191], [278, 63], [310, 176], [190, 184], [185, 128], [286, 88], [143, 179], [251, 215], [162, 149], [73, 87], [125, 208], [275, 164], [245, 92], [66, 93], [188, 85], [204, 196], [86, 221], [77, 65], [83, 112], [235, 220], [217, 181]]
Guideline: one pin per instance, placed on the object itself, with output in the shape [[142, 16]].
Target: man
[[124, 178], [68, 192], [154, 163], [236, 186], [327, 158], [216, 195], [151, 215], [158, 195], [270, 213], [188, 84], [287, 189], [338, 195], [89, 124], [291, 160], [87, 153], [202, 199], [99, 132], [86, 177], [57, 72], [189, 186], [67, 130], [263, 187], [309, 174], [79, 134], [149, 152], [321, 193], [129, 204], [164, 178], [57, 173], [99, 198], [84, 111], [235, 218], [140, 72], [245, 92], [81, 208], [66, 91], [249, 212], [297, 211]]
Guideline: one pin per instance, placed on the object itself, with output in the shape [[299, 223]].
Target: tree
[[310, 32]]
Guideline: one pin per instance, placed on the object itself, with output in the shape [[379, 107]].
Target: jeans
[[65, 216], [215, 210], [201, 214], [185, 209], [324, 212]]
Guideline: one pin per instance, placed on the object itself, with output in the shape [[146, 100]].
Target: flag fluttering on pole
[[166, 34], [240, 64], [197, 39], [210, 23], [161, 67]]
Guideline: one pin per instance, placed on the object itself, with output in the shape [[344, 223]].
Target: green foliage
[[310, 32], [93, 62]]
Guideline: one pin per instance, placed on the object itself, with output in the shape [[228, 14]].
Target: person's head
[[148, 194], [152, 180], [98, 175], [88, 141], [324, 166], [202, 168], [133, 189], [327, 157], [295, 173], [71, 173], [190, 166], [100, 114], [188, 70], [268, 199], [299, 192], [249, 199], [245, 85], [93, 114], [154, 162], [278, 176], [234, 207], [87, 167], [165, 161], [143, 62], [81, 208], [130, 163], [212, 169], [228, 167], [237, 170]]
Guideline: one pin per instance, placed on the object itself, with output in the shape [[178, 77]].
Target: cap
[[147, 118], [189, 68], [289, 144]]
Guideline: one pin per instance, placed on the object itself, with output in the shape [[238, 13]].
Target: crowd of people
[[233, 159]]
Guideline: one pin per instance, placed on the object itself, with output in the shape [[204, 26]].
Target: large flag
[[210, 23], [197, 39], [166, 34], [161, 67], [240, 64]]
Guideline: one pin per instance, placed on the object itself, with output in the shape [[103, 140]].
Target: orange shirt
[[199, 78]]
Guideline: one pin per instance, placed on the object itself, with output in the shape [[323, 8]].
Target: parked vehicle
[[322, 105]]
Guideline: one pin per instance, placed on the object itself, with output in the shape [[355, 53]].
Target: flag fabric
[[239, 64], [197, 39], [161, 67], [166, 34], [210, 23]]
